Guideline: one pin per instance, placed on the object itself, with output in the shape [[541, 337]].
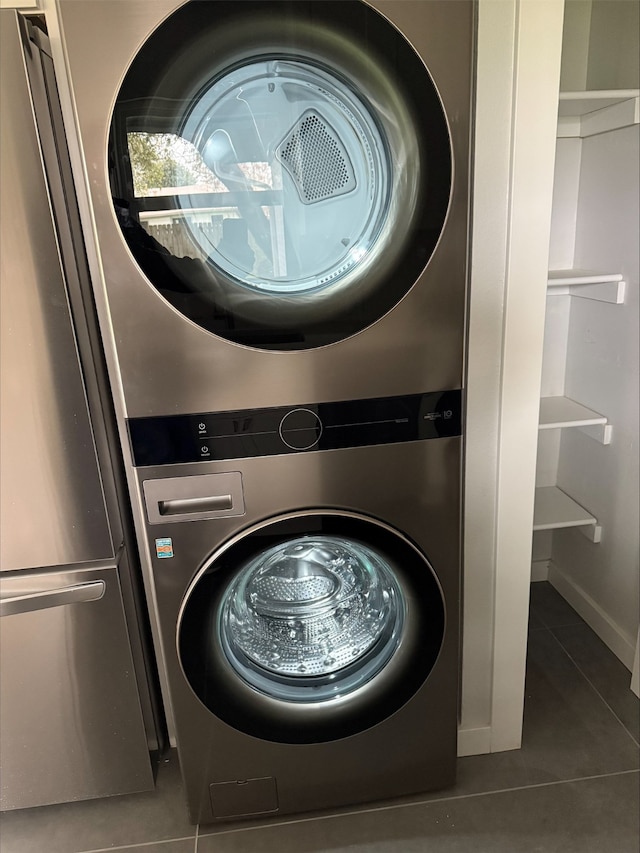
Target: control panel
[[294, 429]]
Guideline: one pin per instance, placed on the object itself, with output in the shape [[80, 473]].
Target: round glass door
[[311, 628], [284, 183], [311, 618]]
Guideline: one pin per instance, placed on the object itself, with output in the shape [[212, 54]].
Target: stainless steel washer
[[308, 602]]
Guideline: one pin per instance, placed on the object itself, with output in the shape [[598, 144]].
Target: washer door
[[280, 171], [311, 628]]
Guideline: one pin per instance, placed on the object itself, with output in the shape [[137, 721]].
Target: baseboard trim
[[474, 741], [620, 643], [540, 570]]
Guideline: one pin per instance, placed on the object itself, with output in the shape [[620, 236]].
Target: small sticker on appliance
[[164, 548]]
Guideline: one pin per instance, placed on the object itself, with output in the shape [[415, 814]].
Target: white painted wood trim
[[533, 136], [492, 159], [621, 644], [21, 5], [474, 741], [539, 570]]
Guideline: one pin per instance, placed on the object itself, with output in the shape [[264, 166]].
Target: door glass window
[[312, 618], [311, 627], [283, 185]]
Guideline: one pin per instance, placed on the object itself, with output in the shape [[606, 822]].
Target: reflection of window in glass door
[[281, 191], [164, 165]]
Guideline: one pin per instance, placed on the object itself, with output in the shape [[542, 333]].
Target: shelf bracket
[[599, 432], [593, 533], [612, 291]]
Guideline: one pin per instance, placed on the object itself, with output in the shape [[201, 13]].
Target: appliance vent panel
[[316, 159]]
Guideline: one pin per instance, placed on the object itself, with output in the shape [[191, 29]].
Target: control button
[[300, 429]]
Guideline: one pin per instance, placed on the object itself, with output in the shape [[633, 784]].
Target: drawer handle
[[92, 591], [211, 503]]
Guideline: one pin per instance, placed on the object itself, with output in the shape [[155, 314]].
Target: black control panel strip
[[308, 427]]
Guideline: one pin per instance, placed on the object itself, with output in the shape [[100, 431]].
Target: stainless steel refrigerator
[[77, 711]]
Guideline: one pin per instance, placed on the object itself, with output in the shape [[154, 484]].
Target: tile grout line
[[430, 802], [593, 686], [435, 801], [140, 844]]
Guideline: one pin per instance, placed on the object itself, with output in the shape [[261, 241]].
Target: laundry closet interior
[[585, 520]]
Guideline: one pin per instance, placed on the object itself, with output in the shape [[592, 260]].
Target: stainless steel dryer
[[279, 196]]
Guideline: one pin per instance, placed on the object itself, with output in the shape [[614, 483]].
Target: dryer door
[[281, 171], [311, 627]]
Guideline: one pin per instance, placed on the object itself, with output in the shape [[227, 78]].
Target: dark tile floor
[[572, 788]]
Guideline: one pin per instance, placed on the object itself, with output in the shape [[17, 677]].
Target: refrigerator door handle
[[75, 594]]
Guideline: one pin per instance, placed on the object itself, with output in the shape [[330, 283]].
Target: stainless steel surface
[[71, 725], [50, 476], [413, 488], [32, 601], [164, 364], [70, 720], [60, 184], [169, 365], [174, 499]]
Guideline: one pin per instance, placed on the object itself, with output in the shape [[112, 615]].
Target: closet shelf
[[554, 510], [589, 284], [558, 412], [587, 113], [581, 103]]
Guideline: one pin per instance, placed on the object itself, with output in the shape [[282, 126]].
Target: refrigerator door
[[70, 720], [72, 663], [52, 506]]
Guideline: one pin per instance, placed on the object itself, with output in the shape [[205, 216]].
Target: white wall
[[614, 59], [602, 371], [575, 45], [600, 45]]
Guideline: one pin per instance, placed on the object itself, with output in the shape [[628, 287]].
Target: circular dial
[[300, 429]]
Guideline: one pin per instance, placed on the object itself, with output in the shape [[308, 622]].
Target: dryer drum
[[313, 637], [282, 184]]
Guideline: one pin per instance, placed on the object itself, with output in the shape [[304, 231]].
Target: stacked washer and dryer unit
[[279, 193]]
